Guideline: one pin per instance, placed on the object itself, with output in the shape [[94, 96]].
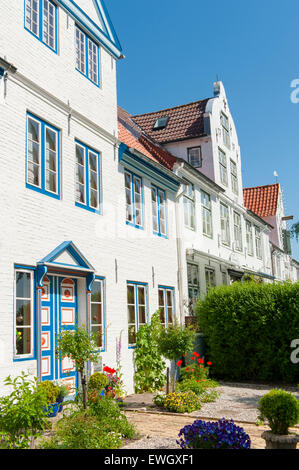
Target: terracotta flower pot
[[111, 393], [277, 441]]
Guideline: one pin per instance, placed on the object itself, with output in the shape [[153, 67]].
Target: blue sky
[[174, 51]]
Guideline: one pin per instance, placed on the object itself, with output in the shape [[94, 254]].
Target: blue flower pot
[[102, 393], [60, 405], [51, 410]]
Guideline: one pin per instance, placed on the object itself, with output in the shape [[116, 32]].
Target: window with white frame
[[133, 188], [137, 309], [223, 167], [189, 206], [42, 157], [87, 56], [97, 311], [249, 238], [258, 242], [210, 278], [193, 283], [225, 225], [238, 232], [23, 313], [41, 20], [87, 177], [195, 157], [206, 214], [225, 129], [159, 211], [234, 177], [166, 305]]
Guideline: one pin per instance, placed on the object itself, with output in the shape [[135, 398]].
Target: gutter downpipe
[[179, 250]]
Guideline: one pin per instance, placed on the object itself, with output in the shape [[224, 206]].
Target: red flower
[[192, 358], [187, 368], [200, 361], [179, 363], [195, 354], [209, 363]]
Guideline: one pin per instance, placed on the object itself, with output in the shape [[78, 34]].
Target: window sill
[[42, 191], [87, 208], [139, 227], [25, 358]]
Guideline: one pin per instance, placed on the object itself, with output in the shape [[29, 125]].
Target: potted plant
[[63, 392], [281, 410], [51, 390]]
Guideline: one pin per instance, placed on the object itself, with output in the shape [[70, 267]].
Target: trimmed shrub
[[97, 381], [281, 409], [51, 390], [249, 328]]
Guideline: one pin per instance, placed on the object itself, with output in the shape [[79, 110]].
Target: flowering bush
[[198, 372], [114, 386], [222, 434], [184, 402]]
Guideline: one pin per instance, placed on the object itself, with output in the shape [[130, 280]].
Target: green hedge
[[248, 329]]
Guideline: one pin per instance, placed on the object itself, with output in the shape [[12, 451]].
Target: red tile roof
[[134, 137], [185, 122], [262, 200]]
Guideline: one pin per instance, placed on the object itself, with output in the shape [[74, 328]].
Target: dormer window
[[161, 123]]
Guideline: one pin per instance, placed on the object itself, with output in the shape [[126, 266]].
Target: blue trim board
[[74, 252], [110, 42]]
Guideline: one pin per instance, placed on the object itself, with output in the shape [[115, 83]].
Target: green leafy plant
[[101, 426], [97, 381], [281, 409], [174, 342], [149, 365], [190, 384], [81, 347], [182, 402], [159, 399], [248, 329], [51, 391], [22, 416]]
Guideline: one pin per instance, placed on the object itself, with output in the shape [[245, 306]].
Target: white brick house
[[78, 243]]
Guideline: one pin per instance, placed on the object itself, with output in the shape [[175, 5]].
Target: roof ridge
[[263, 186], [173, 107]]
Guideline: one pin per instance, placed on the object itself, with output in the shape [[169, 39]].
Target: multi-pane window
[[206, 214], [41, 20], [193, 283], [249, 238], [225, 226], [159, 211], [42, 157], [23, 313], [225, 129], [87, 178], [189, 206], [258, 242], [238, 232], [234, 177], [210, 278], [223, 167], [97, 311], [195, 157], [137, 309], [133, 188], [166, 305], [87, 56]]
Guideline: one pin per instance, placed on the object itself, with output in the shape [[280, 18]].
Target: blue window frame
[[24, 308], [88, 178], [42, 157], [41, 21], [87, 56], [137, 303], [134, 200], [159, 212], [98, 311], [166, 305]]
